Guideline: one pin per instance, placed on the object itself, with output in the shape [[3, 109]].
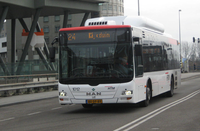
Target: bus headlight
[[62, 93], [127, 92]]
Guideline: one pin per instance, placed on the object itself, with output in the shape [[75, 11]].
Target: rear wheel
[[87, 105]]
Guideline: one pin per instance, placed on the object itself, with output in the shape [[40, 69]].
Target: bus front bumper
[[66, 101]]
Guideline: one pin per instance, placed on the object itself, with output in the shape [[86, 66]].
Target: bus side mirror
[[52, 51], [136, 39], [54, 41]]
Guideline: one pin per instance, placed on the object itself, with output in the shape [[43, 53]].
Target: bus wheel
[[145, 103], [170, 93], [87, 105]]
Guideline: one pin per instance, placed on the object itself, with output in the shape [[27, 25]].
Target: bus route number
[[71, 36]]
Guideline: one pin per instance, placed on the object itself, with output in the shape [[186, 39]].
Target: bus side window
[[138, 61]]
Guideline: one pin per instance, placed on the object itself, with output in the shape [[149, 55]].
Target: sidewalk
[[4, 101], [52, 94], [186, 75]]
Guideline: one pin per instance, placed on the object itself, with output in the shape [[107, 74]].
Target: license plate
[[93, 101]]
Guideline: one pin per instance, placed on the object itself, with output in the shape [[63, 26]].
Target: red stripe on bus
[[173, 41], [95, 27]]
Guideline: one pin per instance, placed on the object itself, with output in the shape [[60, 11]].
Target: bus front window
[[99, 62]]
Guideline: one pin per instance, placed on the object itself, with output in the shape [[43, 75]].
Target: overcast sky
[[167, 13]]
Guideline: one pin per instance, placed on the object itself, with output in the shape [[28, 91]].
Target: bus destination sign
[[81, 37], [101, 35]]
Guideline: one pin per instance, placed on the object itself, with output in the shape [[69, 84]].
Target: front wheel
[[145, 103]]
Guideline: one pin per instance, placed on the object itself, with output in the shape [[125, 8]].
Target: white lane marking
[[56, 108], [154, 128], [155, 112], [7, 119], [34, 113]]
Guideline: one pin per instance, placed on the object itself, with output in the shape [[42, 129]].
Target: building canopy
[[26, 8]]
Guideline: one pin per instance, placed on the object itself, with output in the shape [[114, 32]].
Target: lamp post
[[180, 34], [138, 7]]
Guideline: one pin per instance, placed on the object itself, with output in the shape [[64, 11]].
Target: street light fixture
[[180, 34], [138, 7]]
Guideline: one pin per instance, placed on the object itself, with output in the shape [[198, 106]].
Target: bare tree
[[198, 51], [187, 49]]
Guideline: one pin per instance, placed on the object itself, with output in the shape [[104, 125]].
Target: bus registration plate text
[[93, 101]]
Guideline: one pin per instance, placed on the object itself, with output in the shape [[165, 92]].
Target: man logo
[[93, 93]]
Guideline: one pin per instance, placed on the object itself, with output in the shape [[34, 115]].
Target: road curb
[[25, 101]]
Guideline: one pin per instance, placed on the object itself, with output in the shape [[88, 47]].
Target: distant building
[[113, 8], [51, 26], [3, 42]]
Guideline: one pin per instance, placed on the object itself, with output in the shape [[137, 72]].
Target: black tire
[[145, 103], [87, 105], [170, 93]]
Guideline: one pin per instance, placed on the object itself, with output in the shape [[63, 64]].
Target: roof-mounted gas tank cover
[[135, 21]]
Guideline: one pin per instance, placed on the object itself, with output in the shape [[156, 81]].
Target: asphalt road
[[178, 113]]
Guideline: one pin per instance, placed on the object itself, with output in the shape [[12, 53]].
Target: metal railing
[[20, 84], [28, 78], [35, 75], [28, 67]]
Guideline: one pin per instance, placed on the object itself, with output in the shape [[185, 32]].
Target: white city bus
[[120, 59]]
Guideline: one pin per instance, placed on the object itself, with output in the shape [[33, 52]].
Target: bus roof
[[135, 21], [94, 27]]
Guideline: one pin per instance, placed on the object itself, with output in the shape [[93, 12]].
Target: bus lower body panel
[[64, 101]]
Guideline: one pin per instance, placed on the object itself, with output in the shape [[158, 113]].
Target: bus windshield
[[97, 61]]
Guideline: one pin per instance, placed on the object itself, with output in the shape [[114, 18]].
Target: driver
[[121, 65]]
